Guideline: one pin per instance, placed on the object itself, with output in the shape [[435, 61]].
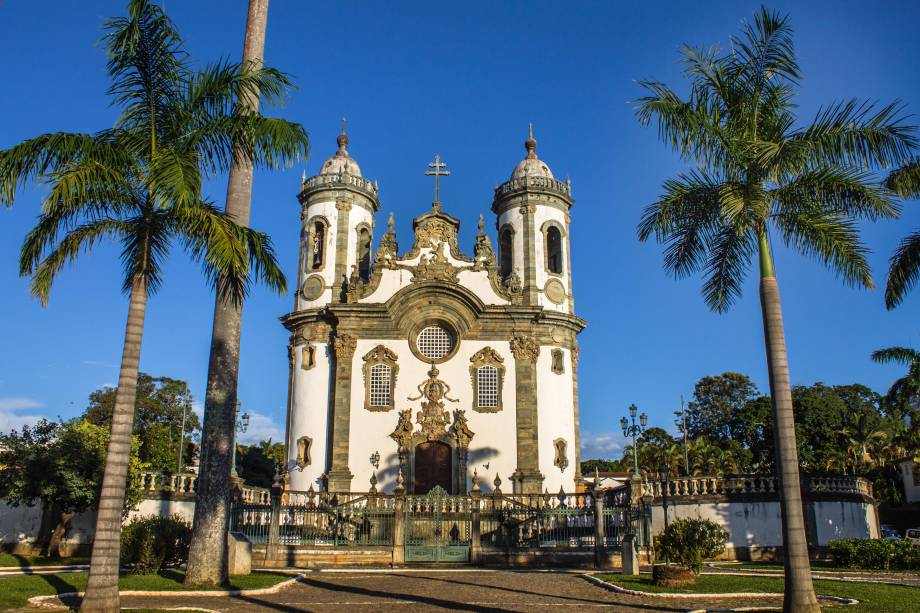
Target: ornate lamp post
[[682, 428], [241, 426], [665, 486], [631, 428]]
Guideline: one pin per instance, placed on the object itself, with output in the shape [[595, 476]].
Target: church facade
[[420, 368]]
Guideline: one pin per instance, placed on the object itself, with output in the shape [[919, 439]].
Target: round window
[[434, 342]]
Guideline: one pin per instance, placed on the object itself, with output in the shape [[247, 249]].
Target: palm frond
[[835, 189], [144, 248], [730, 254], [905, 181], [897, 355], [832, 238], [904, 270], [765, 50], [44, 270], [174, 178]]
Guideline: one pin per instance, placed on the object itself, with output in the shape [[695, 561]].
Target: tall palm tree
[[207, 563], [139, 184], [905, 391], [757, 174], [904, 271]]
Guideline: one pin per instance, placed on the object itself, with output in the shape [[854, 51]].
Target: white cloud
[[198, 409], [10, 416], [601, 445], [261, 427]]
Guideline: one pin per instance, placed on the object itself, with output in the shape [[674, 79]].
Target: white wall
[[310, 416], [910, 476], [542, 215], [555, 419], [326, 209]]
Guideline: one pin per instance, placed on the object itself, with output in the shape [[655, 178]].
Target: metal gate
[[437, 527]]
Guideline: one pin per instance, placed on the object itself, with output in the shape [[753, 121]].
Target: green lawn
[[873, 598], [9, 559], [15, 591], [820, 566]]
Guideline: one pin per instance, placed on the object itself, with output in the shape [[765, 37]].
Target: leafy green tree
[[903, 397], [904, 270], [59, 465], [139, 183], [718, 402], [159, 408], [757, 174], [256, 464], [588, 467]]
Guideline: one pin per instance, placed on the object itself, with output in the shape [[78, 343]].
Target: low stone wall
[[282, 556]]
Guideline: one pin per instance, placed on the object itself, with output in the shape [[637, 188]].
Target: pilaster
[[527, 478], [341, 248], [579, 480], [339, 475], [530, 253]]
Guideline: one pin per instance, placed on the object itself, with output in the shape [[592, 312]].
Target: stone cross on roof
[[437, 173]]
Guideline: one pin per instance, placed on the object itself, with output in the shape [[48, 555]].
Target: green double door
[[437, 527]]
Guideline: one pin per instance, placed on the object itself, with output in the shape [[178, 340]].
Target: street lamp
[[663, 472], [631, 428], [682, 428], [241, 426]]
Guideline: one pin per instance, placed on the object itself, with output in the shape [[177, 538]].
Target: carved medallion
[[555, 291], [313, 287]]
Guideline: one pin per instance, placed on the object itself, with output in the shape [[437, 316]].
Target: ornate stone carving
[[344, 346], [304, 445], [343, 206], [483, 253], [354, 289], [403, 432], [486, 357], [432, 232], [308, 357], [291, 354], [436, 267], [461, 429], [386, 252], [575, 352], [562, 460], [433, 419], [380, 355], [525, 348]]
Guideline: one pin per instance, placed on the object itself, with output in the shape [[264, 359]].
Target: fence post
[[474, 520], [599, 532], [399, 524], [274, 526]]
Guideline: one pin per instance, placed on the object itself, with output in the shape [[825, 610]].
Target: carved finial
[[373, 482], [531, 143], [482, 224], [475, 487], [497, 482], [390, 223], [342, 140], [303, 178]]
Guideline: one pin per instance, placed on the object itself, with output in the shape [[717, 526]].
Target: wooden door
[[433, 467]]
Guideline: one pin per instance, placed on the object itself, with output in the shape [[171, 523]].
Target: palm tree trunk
[[799, 596], [102, 588], [207, 562]]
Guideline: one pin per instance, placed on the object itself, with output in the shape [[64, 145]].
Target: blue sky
[[462, 80]]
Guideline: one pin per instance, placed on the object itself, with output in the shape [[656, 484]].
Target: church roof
[[531, 165], [341, 161]]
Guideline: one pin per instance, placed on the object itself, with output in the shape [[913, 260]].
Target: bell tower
[[532, 210]]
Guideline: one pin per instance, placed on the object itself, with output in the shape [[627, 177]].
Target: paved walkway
[[488, 591]]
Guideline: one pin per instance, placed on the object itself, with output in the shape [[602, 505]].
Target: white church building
[[424, 366]]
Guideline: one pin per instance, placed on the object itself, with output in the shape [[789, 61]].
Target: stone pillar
[[339, 476], [579, 479], [475, 529], [630, 555], [600, 533], [274, 526], [462, 455], [341, 248], [399, 524], [530, 254], [526, 478]]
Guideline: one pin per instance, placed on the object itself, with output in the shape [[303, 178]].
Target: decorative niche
[[558, 361], [380, 370]]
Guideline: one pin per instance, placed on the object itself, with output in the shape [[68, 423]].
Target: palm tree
[[139, 184], [905, 391], [904, 269], [756, 174], [207, 563]]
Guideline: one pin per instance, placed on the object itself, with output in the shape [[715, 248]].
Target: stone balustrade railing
[[534, 183], [339, 179], [186, 483], [751, 485]]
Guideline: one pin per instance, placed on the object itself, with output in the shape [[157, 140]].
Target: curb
[[48, 600], [702, 596]]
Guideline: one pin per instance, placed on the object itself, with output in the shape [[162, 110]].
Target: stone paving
[[487, 591]]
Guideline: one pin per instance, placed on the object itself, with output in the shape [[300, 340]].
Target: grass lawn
[[819, 566], [9, 559], [15, 591], [873, 598]]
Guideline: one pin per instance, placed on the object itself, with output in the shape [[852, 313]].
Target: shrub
[[880, 554], [149, 544], [690, 541]]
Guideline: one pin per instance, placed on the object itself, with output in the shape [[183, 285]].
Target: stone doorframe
[[458, 438]]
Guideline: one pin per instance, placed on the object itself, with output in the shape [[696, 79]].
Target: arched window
[[381, 377], [487, 387], [505, 251], [364, 253], [319, 245], [554, 250], [487, 373]]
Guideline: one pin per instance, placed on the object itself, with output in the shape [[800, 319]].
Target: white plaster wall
[[185, 509], [555, 419], [844, 520], [495, 439], [516, 220], [310, 416], [911, 483], [542, 215], [323, 208], [357, 216], [21, 525]]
